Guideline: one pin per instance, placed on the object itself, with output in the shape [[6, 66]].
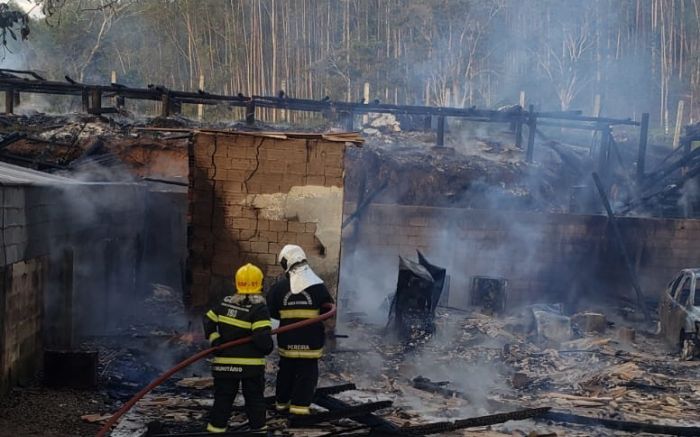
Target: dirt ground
[[49, 413]]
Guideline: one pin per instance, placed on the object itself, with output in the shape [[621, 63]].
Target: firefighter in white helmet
[[298, 296], [240, 315]]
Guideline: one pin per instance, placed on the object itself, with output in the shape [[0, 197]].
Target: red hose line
[[194, 358]]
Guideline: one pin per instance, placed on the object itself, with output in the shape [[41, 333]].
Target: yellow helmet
[[249, 279]]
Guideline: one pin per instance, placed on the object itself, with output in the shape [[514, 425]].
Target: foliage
[[637, 54]]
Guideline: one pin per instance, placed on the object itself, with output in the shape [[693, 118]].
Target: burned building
[[71, 253], [526, 306]]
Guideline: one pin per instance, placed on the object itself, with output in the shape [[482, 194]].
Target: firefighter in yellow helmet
[[243, 314]]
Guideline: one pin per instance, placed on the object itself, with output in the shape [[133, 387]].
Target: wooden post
[[85, 96], [522, 99], [95, 101], [250, 112], [428, 123], [165, 105], [365, 96], [441, 131], [604, 151], [519, 133], [283, 112], [679, 125], [9, 101], [349, 121], [531, 128], [200, 107], [642, 153]]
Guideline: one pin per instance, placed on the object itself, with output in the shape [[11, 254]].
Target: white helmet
[[293, 260], [291, 255]]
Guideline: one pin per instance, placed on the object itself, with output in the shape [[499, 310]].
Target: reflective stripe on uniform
[[235, 322], [297, 409], [281, 407], [308, 353], [212, 428], [298, 314], [213, 336], [212, 315], [261, 324], [240, 361]]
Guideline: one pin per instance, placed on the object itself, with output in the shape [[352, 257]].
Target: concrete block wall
[[22, 309], [545, 257], [38, 224], [250, 194]]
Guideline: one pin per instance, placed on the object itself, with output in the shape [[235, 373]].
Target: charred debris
[[484, 366]]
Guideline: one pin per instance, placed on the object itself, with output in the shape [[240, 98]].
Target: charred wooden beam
[[493, 419], [11, 138], [364, 204], [349, 412], [621, 243], [569, 116], [604, 152], [660, 174], [95, 101], [37, 85], [641, 156], [9, 101], [12, 72], [519, 134], [165, 104], [571, 125], [441, 131], [531, 129], [369, 419], [250, 112], [621, 425], [321, 391]]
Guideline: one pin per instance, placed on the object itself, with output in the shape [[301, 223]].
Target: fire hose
[[194, 358]]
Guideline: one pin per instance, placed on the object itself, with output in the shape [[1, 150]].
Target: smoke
[[687, 202], [104, 221]]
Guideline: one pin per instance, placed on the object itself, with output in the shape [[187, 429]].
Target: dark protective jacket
[[306, 342], [236, 317]]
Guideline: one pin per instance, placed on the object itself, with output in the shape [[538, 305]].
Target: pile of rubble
[[532, 372], [486, 365]]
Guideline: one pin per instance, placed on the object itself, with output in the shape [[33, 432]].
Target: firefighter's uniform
[[241, 315], [297, 297]]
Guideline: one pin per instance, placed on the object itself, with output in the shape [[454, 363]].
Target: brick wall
[[250, 194], [545, 257]]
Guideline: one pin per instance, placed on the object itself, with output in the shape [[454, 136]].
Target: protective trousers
[[296, 384], [225, 390]]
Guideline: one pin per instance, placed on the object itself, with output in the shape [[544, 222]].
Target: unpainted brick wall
[[227, 172], [545, 257]]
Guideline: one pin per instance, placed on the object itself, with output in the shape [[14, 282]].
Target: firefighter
[[298, 296], [240, 315]]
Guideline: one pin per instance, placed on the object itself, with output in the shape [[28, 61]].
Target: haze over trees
[[639, 55]]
